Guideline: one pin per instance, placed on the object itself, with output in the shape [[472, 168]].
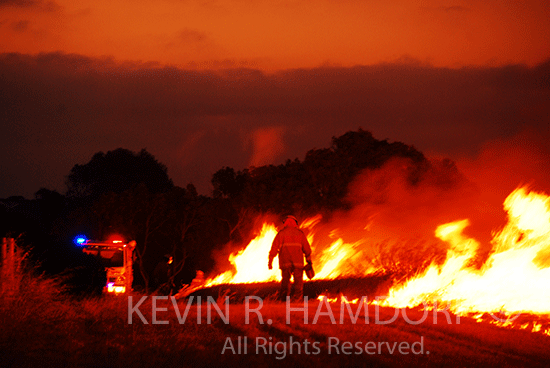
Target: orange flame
[[513, 279], [251, 262], [336, 260]]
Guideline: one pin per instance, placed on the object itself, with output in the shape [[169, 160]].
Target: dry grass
[[41, 326]]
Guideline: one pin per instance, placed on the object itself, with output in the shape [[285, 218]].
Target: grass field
[[42, 327]]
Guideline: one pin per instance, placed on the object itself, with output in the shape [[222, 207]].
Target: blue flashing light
[[80, 240]]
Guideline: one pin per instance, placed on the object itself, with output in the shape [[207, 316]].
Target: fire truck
[[117, 258]]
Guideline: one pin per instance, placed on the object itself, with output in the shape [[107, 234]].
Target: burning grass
[[445, 266], [42, 326]]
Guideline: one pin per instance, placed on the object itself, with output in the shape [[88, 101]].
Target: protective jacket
[[291, 245]]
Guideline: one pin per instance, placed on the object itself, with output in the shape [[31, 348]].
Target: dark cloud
[[38, 4], [61, 109], [19, 3]]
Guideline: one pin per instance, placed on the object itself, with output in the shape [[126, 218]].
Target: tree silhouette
[[319, 183], [117, 171], [227, 183], [130, 194]]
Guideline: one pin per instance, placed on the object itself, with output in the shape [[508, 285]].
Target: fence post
[[3, 259], [11, 259], [4, 250]]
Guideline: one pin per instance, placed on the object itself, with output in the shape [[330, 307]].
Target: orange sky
[[282, 34], [87, 78]]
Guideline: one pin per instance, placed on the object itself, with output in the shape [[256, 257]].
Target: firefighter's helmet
[[290, 217]]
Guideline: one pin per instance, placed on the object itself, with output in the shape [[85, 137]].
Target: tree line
[[131, 194]]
